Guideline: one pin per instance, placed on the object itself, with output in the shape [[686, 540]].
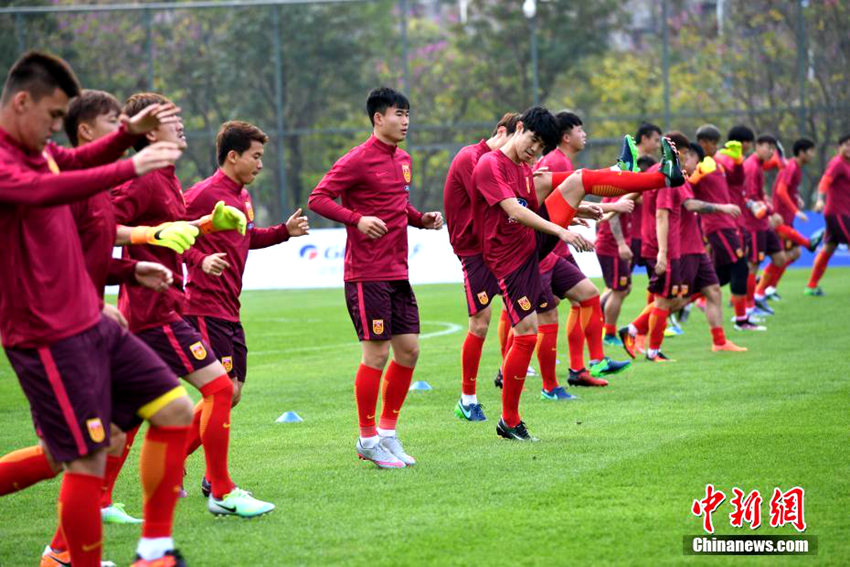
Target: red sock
[[194, 440], [396, 385], [508, 344], [751, 290], [547, 353], [161, 469], [58, 542], [575, 338], [22, 468], [788, 233], [113, 468], [504, 328], [367, 384], [516, 367], [768, 278], [657, 324], [470, 357], [79, 516], [610, 330], [781, 273], [591, 323], [739, 303], [821, 260], [215, 433], [718, 337], [607, 183], [641, 323]]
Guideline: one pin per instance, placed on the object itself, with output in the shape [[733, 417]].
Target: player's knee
[[712, 293], [176, 413], [479, 324], [548, 317], [584, 290]]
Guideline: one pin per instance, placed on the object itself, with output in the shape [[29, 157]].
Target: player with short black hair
[[217, 262], [373, 181]]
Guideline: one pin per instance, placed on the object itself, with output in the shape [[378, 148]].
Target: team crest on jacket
[[405, 170], [482, 298], [198, 350], [378, 326], [524, 303], [249, 211], [227, 362], [96, 431]]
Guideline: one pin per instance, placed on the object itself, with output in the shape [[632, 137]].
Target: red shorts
[[667, 284], [479, 283], [227, 339], [837, 229], [77, 386], [563, 276], [380, 310], [697, 273], [616, 272], [726, 247], [761, 243], [523, 292], [180, 345]]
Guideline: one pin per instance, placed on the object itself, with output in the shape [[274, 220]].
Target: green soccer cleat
[[612, 340], [115, 514], [606, 367], [628, 155], [670, 164], [813, 291], [240, 503]]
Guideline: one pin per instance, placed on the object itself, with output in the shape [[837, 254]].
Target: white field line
[[448, 329]]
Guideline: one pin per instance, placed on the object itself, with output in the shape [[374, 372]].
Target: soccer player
[[648, 141], [373, 182], [835, 188], [758, 215], [788, 204], [721, 231], [217, 263], [156, 317], [79, 369], [614, 252], [506, 201], [479, 284]]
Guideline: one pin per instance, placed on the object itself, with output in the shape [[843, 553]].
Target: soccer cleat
[[772, 294], [659, 357], [673, 329], [761, 305], [814, 291], [51, 558], [557, 394], [728, 346], [628, 155], [518, 433], [393, 446], [382, 458], [684, 313], [206, 487], [748, 325], [670, 164], [612, 340], [606, 367], [583, 378], [815, 239], [115, 514], [627, 340], [531, 372], [640, 344], [497, 381], [472, 412], [240, 503], [170, 559]]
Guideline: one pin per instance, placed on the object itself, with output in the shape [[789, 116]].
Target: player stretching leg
[[156, 317], [217, 262], [480, 285], [373, 183], [79, 370]]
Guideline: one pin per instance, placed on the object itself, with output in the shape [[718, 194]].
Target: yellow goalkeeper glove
[[178, 236]]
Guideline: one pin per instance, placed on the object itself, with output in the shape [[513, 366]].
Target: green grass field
[[611, 482]]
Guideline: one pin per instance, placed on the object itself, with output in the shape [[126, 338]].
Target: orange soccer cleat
[[728, 346]]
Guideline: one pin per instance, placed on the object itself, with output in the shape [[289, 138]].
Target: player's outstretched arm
[[704, 208], [178, 235], [296, 225], [222, 217], [432, 220]]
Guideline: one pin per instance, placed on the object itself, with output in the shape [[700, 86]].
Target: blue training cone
[[421, 386], [289, 417]]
